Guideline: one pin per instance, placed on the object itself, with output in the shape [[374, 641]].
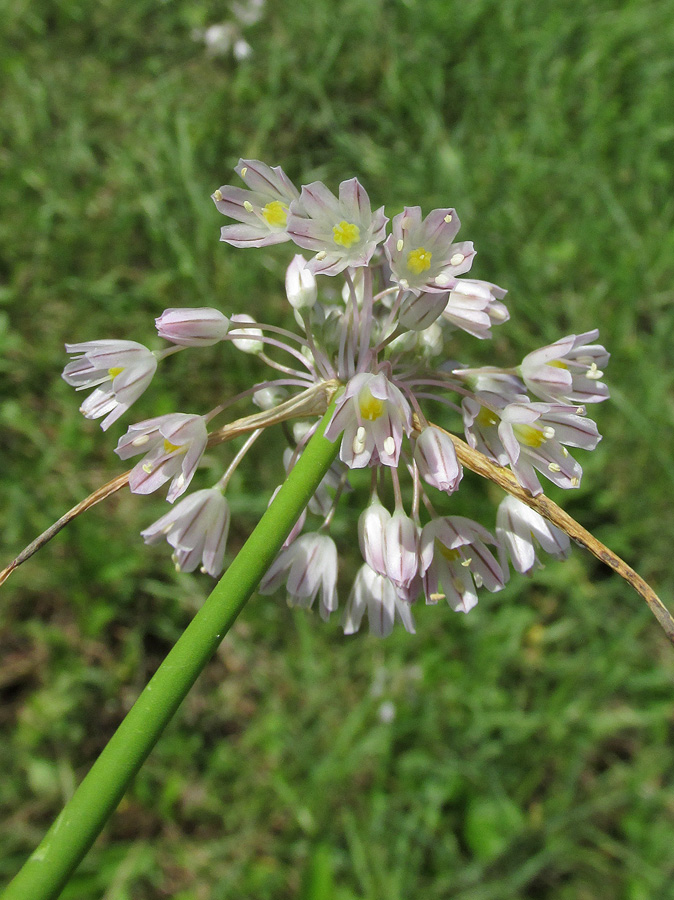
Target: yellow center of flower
[[558, 364], [114, 372], [447, 552], [371, 408], [275, 214], [345, 234], [531, 437], [486, 417], [171, 448], [419, 260]]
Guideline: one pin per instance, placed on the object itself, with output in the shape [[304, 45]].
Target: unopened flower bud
[[300, 284], [247, 344], [435, 456], [199, 327]]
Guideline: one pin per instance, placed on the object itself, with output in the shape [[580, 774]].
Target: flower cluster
[[378, 347]]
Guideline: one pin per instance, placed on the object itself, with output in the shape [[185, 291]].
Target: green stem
[[74, 831]]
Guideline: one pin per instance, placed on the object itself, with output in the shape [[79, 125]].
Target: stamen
[[390, 446], [243, 171], [548, 432], [457, 259], [594, 373], [321, 255], [358, 444], [448, 218], [218, 194], [247, 205], [554, 467], [467, 562], [399, 245], [140, 440], [442, 279], [575, 481], [435, 597], [147, 468], [565, 452]]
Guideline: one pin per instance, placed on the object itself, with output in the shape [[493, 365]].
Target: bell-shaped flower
[[567, 371], [301, 287], [124, 367], [372, 413], [535, 437], [474, 306], [481, 418], [421, 254], [200, 327], [372, 535], [173, 445], [401, 551], [261, 208], [376, 595], [520, 529], [341, 231], [456, 561], [197, 529], [308, 567], [436, 460]]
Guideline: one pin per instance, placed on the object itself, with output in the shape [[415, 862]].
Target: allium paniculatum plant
[[380, 344], [371, 353]]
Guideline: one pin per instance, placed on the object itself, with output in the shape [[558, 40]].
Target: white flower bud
[[249, 344], [300, 284]]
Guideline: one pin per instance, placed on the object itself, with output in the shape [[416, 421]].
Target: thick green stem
[[74, 831]]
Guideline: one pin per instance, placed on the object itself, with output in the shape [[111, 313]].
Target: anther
[[448, 218], [321, 255], [390, 446], [243, 171], [548, 432], [247, 205], [218, 194], [554, 467], [575, 481], [441, 280], [457, 259], [147, 468], [140, 440], [400, 244]]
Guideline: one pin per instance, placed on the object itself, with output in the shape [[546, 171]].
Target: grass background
[[523, 751]]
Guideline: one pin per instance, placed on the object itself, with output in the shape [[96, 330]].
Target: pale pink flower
[[421, 253], [474, 306], [436, 460], [342, 232], [301, 287], [401, 551], [173, 445], [197, 529], [567, 371], [519, 529], [308, 567], [125, 367], [198, 327], [373, 414], [376, 595], [456, 561], [262, 210]]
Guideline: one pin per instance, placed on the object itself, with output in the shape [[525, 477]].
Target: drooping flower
[[456, 561], [309, 567], [376, 595], [421, 253], [173, 445], [372, 534], [401, 553], [200, 327], [519, 529], [435, 457], [262, 209], [125, 367], [474, 306], [342, 232], [567, 371], [372, 414], [197, 529]]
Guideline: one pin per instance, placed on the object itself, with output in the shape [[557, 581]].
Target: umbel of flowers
[[380, 347]]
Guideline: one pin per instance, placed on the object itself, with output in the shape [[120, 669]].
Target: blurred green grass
[[530, 750]]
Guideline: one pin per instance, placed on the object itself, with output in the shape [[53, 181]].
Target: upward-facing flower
[[173, 445], [567, 371], [197, 529], [125, 367], [262, 209], [421, 253], [342, 232], [372, 414]]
